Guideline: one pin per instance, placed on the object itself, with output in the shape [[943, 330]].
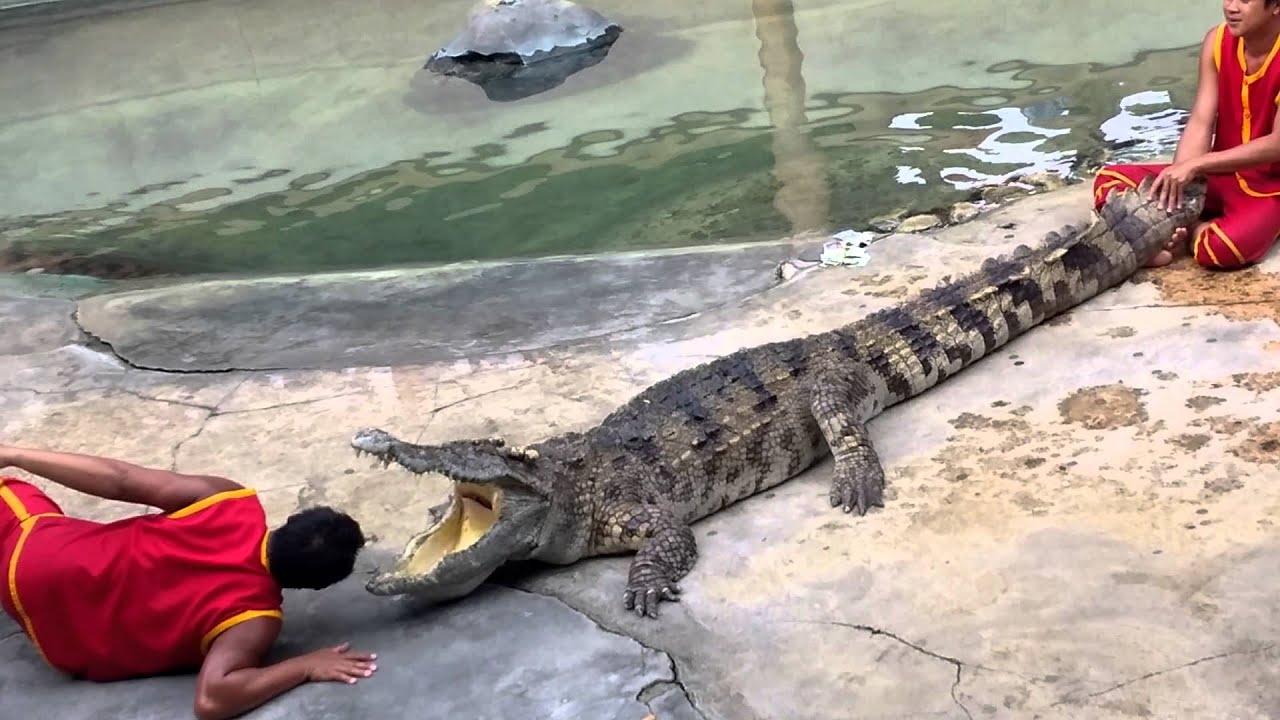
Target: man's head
[[314, 548], [1247, 16]]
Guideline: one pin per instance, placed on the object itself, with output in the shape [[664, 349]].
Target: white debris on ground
[[848, 247]]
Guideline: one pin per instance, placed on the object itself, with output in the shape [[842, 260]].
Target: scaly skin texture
[[720, 432]]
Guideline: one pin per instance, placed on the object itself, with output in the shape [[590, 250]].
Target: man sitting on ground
[[196, 587], [1229, 138]]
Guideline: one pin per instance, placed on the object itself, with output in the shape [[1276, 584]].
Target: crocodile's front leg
[[841, 404], [665, 550]]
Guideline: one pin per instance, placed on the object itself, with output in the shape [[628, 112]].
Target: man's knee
[[1213, 248], [1118, 178]]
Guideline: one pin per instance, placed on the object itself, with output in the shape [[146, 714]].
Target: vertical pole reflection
[[804, 197]]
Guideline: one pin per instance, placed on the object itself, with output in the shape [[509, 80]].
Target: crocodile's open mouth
[[469, 514]]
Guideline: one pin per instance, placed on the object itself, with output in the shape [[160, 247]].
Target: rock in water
[[516, 48]]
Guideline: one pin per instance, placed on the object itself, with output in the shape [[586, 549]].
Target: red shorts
[[21, 504], [1243, 227]]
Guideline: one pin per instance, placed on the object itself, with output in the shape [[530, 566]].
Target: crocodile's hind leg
[[664, 545], [841, 402]]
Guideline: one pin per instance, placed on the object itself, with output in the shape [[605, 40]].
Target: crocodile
[[714, 434]]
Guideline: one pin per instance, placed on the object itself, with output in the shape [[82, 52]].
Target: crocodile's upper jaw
[[491, 517]]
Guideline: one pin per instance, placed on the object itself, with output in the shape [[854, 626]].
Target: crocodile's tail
[[922, 342]]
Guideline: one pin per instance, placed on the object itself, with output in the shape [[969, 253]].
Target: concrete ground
[[1081, 525]]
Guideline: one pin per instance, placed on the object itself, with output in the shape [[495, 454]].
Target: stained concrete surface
[[1081, 525]]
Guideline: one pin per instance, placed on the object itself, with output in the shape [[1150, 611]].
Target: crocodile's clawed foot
[[647, 586], [857, 484]]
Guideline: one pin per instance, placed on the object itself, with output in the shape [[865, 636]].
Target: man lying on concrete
[[199, 586]]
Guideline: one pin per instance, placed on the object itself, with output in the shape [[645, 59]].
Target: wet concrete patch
[[30, 325], [1261, 445], [1257, 382], [1249, 294], [1105, 407], [1203, 402], [1190, 441]]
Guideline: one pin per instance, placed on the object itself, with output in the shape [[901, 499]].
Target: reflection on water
[[1001, 147], [1139, 135], [803, 197], [820, 162]]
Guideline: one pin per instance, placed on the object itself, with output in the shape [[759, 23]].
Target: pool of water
[[288, 136]]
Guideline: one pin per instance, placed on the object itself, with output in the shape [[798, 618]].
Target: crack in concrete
[[647, 689], [213, 412], [253, 59], [1166, 671], [106, 348], [292, 403], [166, 401], [431, 414], [874, 631], [212, 409], [216, 413], [1154, 306], [675, 680]]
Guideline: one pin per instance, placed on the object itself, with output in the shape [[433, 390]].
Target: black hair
[[314, 548]]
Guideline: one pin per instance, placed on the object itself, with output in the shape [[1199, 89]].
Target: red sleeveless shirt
[[145, 595], [1246, 107]]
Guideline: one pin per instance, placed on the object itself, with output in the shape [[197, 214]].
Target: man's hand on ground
[[338, 664], [231, 681]]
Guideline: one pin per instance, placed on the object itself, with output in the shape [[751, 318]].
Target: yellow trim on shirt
[[1217, 46], [232, 621], [28, 523], [265, 562], [14, 502], [199, 505]]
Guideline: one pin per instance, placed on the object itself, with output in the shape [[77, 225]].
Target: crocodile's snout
[[372, 441]]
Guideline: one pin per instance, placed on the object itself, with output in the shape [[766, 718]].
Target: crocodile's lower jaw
[[473, 512]]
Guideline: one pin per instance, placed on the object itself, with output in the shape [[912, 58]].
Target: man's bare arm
[[115, 479], [1197, 136], [231, 683]]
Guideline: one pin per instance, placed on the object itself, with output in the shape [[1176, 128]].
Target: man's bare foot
[[1162, 258], [1165, 256]]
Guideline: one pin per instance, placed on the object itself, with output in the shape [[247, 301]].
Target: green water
[[697, 178]]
